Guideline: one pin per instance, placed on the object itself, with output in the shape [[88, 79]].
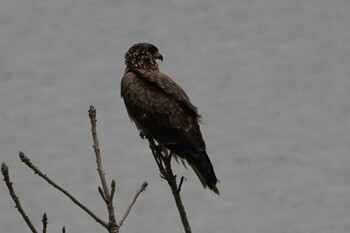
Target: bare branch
[[141, 189], [36, 170], [92, 115], [106, 195], [5, 173], [163, 160]]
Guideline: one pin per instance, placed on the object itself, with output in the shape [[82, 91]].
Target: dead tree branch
[[106, 195], [163, 160], [141, 189], [36, 170], [5, 173]]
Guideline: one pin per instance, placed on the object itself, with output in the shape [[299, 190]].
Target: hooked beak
[[158, 56]]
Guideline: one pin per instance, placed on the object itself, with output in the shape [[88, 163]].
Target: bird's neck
[[143, 62]]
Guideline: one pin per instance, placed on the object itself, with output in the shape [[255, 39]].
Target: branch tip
[[44, 217], [5, 172], [44, 221], [92, 112], [4, 169], [113, 184], [22, 156], [141, 189], [144, 185]]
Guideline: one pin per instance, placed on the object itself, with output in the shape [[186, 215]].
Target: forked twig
[[36, 170], [106, 195]]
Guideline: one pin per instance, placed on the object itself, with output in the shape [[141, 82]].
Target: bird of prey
[[162, 111]]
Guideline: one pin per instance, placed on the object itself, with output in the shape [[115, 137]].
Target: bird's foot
[[168, 177]]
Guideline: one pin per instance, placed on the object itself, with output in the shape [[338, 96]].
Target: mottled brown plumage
[[162, 110]]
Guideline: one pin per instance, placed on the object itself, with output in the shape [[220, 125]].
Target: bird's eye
[[153, 50]]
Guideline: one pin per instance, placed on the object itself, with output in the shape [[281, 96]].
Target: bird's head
[[143, 56]]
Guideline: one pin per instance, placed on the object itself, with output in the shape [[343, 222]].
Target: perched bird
[[162, 110]]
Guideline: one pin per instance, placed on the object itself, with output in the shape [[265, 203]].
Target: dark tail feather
[[201, 165], [205, 172], [175, 141]]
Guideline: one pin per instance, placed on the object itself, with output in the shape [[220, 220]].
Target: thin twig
[[5, 173], [92, 115], [163, 160], [44, 221], [180, 185], [107, 196], [36, 170], [141, 189], [100, 191], [112, 190]]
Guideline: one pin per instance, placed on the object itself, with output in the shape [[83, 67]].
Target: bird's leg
[[163, 159], [152, 144], [166, 156], [158, 156]]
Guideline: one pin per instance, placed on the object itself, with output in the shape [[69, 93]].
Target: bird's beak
[[158, 56]]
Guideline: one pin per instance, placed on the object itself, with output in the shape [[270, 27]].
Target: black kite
[[162, 110]]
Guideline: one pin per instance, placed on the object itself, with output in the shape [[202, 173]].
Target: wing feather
[[153, 100], [167, 85], [155, 105]]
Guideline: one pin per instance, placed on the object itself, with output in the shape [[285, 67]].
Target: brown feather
[[161, 109]]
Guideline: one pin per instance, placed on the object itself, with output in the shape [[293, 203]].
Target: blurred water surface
[[271, 79]]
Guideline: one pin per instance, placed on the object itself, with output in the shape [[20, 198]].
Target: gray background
[[270, 77]]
